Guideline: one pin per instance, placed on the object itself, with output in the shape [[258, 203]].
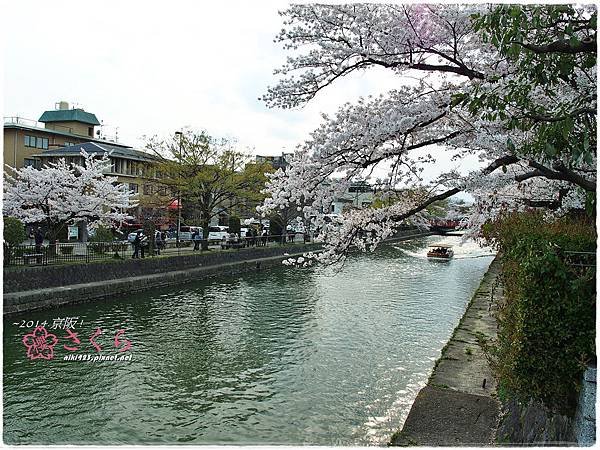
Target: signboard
[[73, 232]]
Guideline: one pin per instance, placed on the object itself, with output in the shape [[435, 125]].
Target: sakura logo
[[40, 344]]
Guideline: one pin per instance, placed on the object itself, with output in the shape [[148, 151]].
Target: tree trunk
[[205, 224], [52, 234]]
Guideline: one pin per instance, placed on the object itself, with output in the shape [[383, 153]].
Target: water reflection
[[279, 356]]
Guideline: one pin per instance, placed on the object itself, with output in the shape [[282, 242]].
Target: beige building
[[65, 132], [278, 162], [23, 138], [134, 168]]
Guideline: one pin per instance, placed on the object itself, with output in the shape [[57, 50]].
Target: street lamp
[[180, 134]]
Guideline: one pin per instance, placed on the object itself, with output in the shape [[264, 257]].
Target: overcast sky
[[151, 68], [154, 67]]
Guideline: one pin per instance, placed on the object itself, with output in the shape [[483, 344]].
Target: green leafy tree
[[14, 234], [234, 224], [102, 234], [14, 231], [207, 173], [553, 48]]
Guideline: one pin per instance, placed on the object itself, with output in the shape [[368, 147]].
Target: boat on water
[[441, 251]]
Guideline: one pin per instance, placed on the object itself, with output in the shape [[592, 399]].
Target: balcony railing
[[16, 120]]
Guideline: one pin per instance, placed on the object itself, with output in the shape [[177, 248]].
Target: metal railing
[[83, 252], [580, 259], [16, 120], [60, 253]]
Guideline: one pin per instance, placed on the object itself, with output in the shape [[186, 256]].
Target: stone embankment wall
[[41, 277], [460, 405], [46, 287], [534, 424]]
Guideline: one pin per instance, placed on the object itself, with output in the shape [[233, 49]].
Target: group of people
[[252, 238], [141, 242]]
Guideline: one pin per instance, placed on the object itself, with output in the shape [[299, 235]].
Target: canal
[[281, 356]]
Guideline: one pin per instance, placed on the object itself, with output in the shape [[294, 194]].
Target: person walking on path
[[137, 245], [157, 241], [39, 240], [264, 238], [196, 238]]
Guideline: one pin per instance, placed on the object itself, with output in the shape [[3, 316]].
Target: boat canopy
[[441, 245]]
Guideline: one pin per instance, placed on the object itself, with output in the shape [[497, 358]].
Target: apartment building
[[63, 133], [277, 162], [132, 167], [62, 127]]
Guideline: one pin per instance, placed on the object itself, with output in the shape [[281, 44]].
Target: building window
[[30, 141], [147, 189], [118, 165], [36, 142], [31, 162], [68, 144], [134, 187]]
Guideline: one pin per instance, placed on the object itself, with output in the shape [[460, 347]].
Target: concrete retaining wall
[[40, 277], [84, 292], [27, 289], [458, 406]]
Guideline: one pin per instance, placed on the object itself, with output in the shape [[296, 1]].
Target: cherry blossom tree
[[64, 193], [514, 86]]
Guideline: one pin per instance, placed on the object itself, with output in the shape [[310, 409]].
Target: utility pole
[[180, 134]]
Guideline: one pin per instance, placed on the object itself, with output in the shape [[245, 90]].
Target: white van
[[186, 233], [216, 234]]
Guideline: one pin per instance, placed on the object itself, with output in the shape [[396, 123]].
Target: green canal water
[[281, 356]]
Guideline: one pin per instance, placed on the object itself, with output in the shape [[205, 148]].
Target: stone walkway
[[458, 406]]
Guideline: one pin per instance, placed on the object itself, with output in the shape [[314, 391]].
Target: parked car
[[216, 234], [131, 236], [186, 233]]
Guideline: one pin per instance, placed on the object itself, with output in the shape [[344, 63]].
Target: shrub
[[547, 320], [18, 252], [234, 224], [14, 231], [118, 249], [98, 247], [103, 234]]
